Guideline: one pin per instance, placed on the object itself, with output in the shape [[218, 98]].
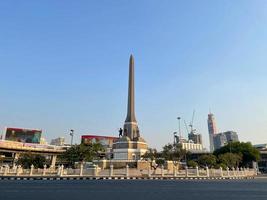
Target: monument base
[[125, 149], [119, 164]]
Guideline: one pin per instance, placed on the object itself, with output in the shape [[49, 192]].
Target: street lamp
[[71, 135], [179, 121], [174, 138], [230, 145]]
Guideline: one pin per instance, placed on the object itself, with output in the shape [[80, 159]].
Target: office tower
[[212, 130]]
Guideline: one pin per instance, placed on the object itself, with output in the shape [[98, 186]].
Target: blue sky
[[64, 65]]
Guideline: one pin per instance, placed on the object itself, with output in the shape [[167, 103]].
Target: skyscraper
[[196, 138], [222, 139], [219, 140], [231, 136], [212, 130]]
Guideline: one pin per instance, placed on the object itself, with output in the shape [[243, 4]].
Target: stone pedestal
[[174, 171], [81, 169], [95, 172], [62, 170], [186, 172], [221, 171], [111, 170], [208, 172], [127, 171], [31, 170], [197, 171], [126, 149], [162, 171], [44, 170]]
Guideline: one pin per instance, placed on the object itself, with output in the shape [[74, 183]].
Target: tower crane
[[192, 123], [186, 127]]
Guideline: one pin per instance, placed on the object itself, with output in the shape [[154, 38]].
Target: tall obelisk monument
[[131, 129], [130, 146]]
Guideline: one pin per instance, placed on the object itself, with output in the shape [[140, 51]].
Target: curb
[[57, 178]]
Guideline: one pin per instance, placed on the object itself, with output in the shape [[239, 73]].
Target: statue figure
[[120, 132]]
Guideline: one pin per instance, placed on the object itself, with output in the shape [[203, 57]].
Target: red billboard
[[23, 135]]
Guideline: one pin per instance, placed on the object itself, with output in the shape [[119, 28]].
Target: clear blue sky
[[64, 65]]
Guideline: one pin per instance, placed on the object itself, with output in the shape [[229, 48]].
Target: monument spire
[[130, 146], [131, 107], [131, 129]]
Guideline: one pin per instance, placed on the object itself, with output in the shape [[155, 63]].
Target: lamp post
[[71, 135], [230, 148], [174, 138], [179, 130], [230, 145]]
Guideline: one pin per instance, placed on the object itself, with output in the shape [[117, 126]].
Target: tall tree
[[230, 159], [245, 149], [207, 160]]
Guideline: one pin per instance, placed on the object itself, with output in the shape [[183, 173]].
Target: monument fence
[[95, 171]]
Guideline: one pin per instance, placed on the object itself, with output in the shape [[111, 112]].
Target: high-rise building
[[195, 138], [222, 139], [231, 136], [212, 130], [219, 140], [58, 141]]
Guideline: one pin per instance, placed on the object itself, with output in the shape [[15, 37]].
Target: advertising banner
[[23, 135]]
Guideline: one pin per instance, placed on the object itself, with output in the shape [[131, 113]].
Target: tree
[[207, 160], [230, 159], [28, 159], [82, 153], [192, 163], [167, 152], [151, 155], [244, 149], [173, 152]]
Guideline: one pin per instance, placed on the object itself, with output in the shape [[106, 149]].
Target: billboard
[[106, 141], [23, 135]]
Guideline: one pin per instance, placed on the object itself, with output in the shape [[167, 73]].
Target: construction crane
[[192, 123], [186, 127], [193, 135]]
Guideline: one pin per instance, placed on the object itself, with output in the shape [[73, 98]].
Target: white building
[[58, 141], [190, 146]]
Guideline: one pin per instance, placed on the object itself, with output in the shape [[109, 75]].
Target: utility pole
[[71, 135]]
